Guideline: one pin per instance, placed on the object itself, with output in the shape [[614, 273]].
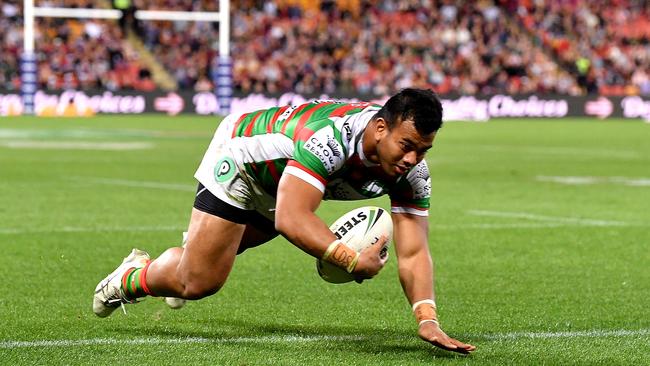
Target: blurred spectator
[[451, 46], [607, 43], [144, 81], [11, 39], [71, 53], [355, 46]]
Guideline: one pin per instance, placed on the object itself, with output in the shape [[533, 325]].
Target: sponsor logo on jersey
[[287, 113], [346, 131], [326, 148], [224, 170], [327, 101], [343, 125]]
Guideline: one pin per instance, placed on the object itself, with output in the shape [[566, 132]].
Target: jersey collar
[[362, 156]]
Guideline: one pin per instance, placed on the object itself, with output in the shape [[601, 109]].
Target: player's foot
[[174, 302], [109, 294]]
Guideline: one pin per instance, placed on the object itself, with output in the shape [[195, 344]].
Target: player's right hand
[[431, 332], [371, 260]]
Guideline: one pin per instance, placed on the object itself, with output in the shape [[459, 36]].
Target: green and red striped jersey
[[320, 142]]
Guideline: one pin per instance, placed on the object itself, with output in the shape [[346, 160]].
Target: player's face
[[401, 148]]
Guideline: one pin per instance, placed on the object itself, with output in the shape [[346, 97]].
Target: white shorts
[[226, 179]]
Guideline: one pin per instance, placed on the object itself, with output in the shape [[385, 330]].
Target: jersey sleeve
[[412, 193], [317, 156]]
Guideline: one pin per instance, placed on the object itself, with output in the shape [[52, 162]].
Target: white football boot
[[108, 293], [175, 302]]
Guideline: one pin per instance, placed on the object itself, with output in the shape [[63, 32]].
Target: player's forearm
[[306, 231], [416, 276]]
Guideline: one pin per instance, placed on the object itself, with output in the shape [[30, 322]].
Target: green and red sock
[[134, 282]]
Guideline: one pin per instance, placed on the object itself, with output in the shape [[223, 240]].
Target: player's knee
[[195, 289], [197, 284]]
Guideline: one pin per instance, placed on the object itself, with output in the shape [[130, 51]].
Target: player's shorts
[[208, 203], [223, 178]]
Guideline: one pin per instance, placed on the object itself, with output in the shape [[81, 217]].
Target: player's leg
[[259, 230], [215, 232], [200, 268], [196, 271]]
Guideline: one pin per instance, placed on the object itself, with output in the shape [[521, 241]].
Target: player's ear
[[381, 128]]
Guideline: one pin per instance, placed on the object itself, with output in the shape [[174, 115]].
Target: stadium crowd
[[358, 46], [451, 46], [605, 43], [186, 49], [71, 54]]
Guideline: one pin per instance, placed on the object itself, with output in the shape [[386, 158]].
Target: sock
[[134, 283]]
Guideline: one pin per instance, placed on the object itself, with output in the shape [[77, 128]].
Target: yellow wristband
[[341, 256]]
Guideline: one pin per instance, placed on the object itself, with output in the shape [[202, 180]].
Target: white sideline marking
[[633, 182], [138, 184], [10, 344], [76, 145], [72, 229], [557, 219]]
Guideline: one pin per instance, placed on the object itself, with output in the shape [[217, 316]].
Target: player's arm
[[416, 276], [295, 219]]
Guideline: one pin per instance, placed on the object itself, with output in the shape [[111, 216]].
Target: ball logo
[[224, 170], [350, 224]]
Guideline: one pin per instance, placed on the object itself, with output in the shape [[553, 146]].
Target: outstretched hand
[[431, 332]]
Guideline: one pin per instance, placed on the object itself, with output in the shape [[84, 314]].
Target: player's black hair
[[421, 106]]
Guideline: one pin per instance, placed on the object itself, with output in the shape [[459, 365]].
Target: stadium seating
[[606, 44], [351, 46], [71, 54], [10, 45]]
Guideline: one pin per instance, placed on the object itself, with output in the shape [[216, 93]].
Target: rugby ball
[[358, 229]]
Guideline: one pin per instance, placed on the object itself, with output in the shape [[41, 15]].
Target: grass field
[[540, 231]]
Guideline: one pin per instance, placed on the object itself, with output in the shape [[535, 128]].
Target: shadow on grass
[[315, 338]]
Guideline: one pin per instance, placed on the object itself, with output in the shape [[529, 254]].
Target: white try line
[[159, 341], [136, 183], [13, 344], [556, 219], [641, 333]]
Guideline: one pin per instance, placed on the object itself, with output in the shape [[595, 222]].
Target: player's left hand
[[431, 332]]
